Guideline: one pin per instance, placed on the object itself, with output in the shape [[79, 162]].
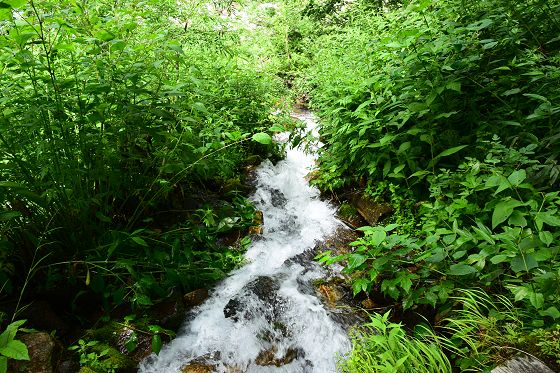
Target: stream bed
[[265, 316]]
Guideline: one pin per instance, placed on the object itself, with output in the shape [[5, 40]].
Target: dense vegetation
[[124, 130], [125, 127], [450, 111]]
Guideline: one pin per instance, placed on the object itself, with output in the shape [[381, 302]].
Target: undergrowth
[[450, 111]]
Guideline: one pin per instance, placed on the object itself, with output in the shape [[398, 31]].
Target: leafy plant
[[118, 125], [90, 357], [384, 346], [10, 347]]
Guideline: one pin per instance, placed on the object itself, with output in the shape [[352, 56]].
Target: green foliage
[[384, 346], [10, 347], [96, 356], [488, 330], [486, 226], [416, 88], [119, 124], [450, 111], [548, 342]]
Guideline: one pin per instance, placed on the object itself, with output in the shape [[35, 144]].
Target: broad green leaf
[[519, 292], [15, 350], [546, 237], [3, 359], [461, 270], [156, 344], [552, 312], [548, 217], [543, 254], [479, 25], [517, 218], [102, 217], [359, 285], [263, 138], [10, 332], [503, 210], [355, 260], [277, 128], [200, 107], [517, 177], [450, 151], [489, 44], [454, 86], [419, 173], [5, 14], [523, 263], [104, 35], [15, 3], [496, 259], [437, 255], [377, 236], [537, 300], [9, 4]]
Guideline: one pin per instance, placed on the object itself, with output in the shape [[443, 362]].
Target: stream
[[265, 316]]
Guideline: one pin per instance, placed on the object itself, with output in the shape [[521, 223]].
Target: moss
[[347, 211], [107, 333], [113, 358], [547, 342], [86, 370]]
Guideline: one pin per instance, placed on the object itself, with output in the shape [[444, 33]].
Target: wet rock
[[169, 313], [230, 238], [330, 294], [277, 198], [195, 298], [264, 287], [523, 365], [258, 219], [44, 352], [232, 308], [349, 215], [197, 368], [268, 357], [142, 344], [339, 241], [370, 210], [266, 290], [368, 304], [68, 366], [117, 339], [257, 227], [256, 231], [336, 294]]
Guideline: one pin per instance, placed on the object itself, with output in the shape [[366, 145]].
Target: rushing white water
[[266, 314]]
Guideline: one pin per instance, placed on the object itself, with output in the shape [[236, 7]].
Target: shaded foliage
[[122, 125]]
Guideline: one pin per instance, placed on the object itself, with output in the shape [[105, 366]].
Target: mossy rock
[[113, 358], [86, 370], [346, 210], [107, 333]]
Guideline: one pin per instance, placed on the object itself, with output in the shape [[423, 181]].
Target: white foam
[[291, 227]]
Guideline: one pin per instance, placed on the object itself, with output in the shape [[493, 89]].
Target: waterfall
[[265, 316]]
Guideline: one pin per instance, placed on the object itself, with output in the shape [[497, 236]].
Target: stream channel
[[266, 317]]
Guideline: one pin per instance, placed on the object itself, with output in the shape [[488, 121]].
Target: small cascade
[[265, 317]]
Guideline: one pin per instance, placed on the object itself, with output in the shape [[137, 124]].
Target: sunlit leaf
[[263, 138], [461, 270]]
